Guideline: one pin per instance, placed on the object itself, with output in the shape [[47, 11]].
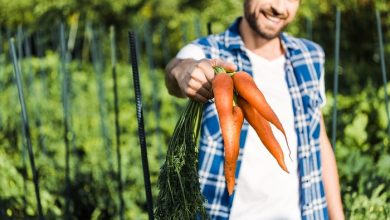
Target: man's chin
[[268, 35], [268, 32], [264, 31]]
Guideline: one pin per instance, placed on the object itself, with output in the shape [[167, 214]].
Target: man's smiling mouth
[[272, 18]]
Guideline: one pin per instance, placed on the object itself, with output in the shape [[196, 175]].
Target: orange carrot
[[238, 119], [263, 130], [223, 96], [247, 89]]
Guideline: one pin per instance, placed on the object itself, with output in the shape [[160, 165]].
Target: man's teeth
[[272, 18]]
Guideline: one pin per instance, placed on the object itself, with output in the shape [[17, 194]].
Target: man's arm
[[192, 78], [330, 176]]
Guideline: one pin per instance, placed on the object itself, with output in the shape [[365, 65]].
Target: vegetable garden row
[[80, 125]]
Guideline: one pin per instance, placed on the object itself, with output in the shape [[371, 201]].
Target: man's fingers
[[206, 66], [202, 79], [199, 75], [194, 78], [200, 98], [205, 93], [207, 69], [192, 94], [230, 67], [200, 89]]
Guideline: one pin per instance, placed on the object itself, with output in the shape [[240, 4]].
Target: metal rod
[[336, 77], [117, 126], [23, 142], [209, 28], [141, 128], [26, 127], [383, 67]]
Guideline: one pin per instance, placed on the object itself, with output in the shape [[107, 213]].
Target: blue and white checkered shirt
[[304, 66]]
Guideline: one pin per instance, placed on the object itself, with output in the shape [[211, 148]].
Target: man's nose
[[279, 6]]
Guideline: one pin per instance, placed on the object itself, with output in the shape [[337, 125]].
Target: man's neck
[[268, 49]]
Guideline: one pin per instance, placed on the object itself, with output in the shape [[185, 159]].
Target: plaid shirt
[[304, 65]]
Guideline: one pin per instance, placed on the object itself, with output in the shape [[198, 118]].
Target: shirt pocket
[[312, 101]]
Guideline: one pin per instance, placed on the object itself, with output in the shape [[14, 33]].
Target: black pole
[[209, 28], [140, 119], [117, 127], [383, 68], [336, 77], [26, 127]]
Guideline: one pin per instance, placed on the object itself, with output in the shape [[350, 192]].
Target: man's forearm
[[330, 177]]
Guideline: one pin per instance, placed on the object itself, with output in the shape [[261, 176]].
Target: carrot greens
[[180, 196]]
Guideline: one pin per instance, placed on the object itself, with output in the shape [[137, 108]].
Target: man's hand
[[192, 78]]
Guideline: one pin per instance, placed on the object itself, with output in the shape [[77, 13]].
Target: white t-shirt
[[264, 190]]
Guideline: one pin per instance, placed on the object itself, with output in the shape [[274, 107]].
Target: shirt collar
[[288, 42], [233, 39], [232, 36]]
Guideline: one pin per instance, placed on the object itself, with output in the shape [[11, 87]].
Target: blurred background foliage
[[362, 148]]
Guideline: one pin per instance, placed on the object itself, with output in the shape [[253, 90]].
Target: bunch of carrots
[[237, 97], [179, 188]]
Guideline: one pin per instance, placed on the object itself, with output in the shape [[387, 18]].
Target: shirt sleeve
[[191, 51]]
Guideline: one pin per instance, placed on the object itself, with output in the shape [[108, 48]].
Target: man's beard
[[252, 21]]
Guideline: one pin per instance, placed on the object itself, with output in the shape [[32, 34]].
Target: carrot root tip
[[283, 166]]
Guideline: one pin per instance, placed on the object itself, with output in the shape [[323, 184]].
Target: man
[[289, 71]]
